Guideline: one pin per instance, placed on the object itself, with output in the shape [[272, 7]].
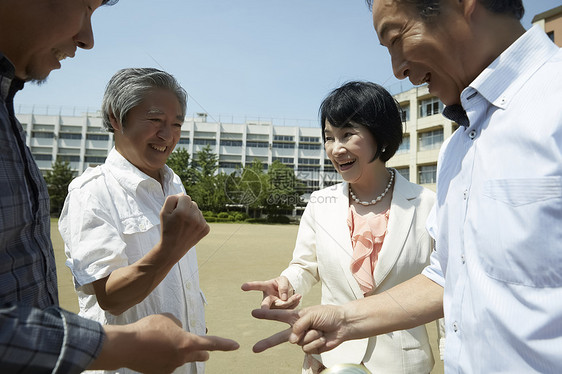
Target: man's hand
[[183, 225], [155, 344], [275, 293], [317, 329]]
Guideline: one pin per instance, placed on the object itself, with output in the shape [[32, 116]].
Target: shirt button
[[462, 259], [472, 134], [188, 285], [192, 323], [455, 327], [142, 226], [465, 194]]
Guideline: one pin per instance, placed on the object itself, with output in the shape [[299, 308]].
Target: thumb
[[170, 204]]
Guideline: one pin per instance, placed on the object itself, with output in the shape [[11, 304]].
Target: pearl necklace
[[379, 198]]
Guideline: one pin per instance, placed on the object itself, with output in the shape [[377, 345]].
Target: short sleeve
[[94, 246]]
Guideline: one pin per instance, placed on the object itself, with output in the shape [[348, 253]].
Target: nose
[[400, 67], [165, 132], [85, 37], [338, 148]]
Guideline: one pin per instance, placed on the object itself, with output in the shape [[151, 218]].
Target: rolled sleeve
[[93, 244]]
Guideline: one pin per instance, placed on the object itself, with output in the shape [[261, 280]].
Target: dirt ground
[[229, 256]]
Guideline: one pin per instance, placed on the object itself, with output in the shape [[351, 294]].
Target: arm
[[182, 226], [279, 292], [321, 328], [155, 344], [55, 340]]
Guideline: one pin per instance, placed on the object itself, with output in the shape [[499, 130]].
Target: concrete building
[[551, 23], [83, 142]]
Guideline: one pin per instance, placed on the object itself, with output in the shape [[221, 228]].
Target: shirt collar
[[130, 177], [504, 77], [9, 84]]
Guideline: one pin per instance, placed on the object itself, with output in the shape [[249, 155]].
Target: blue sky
[[275, 60]]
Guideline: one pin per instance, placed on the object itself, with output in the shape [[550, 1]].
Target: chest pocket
[[135, 225], [521, 236]]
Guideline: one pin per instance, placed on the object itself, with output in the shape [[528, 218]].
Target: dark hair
[[109, 2], [369, 105], [428, 8]]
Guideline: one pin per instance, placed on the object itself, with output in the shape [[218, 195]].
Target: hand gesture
[[317, 329], [182, 224], [275, 293], [156, 344]]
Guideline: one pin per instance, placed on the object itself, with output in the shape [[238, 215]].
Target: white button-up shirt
[[498, 217], [110, 220]]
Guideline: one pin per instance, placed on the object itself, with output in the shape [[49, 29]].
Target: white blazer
[[323, 254]]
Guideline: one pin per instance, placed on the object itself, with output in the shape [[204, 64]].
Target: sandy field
[[229, 256]]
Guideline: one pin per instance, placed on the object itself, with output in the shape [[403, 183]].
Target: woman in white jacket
[[362, 236]]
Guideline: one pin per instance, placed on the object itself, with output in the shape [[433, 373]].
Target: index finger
[[281, 315], [213, 343], [255, 286], [272, 341]]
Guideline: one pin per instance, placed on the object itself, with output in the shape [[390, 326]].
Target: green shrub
[[278, 219], [239, 216], [208, 213], [223, 215], [255, 220], [210, 219]]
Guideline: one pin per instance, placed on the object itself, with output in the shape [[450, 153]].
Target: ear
[[115, 123], [468, 7]]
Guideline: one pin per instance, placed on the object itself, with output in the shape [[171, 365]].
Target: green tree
[[247, 187], [207, 191], [179, 161], [58, 179], [282, 189]]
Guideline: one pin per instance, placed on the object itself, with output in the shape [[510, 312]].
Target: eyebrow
[[385, 28]]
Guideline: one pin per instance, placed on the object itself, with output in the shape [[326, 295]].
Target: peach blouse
[[367, 235]]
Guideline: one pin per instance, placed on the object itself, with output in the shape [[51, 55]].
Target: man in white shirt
[[496, 272], [129, 257]]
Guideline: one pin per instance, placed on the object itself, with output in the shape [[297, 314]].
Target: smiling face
[[351, 149], [39, 34], [151, 131], [426, 50]]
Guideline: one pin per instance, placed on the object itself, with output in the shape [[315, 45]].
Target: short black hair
[[109, 2], [367, 104], [428, 8]]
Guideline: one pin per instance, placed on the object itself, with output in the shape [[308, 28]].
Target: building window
[[204, 141], [309, 139], [405, 172], [428, 174], [550, 35], [405, 113], [184, 141], [231, 143], [67, 135], [309, 146], [430, 140], [284, 145], [404, 146], [43, 157], [284, 160], [229, 165], [430, 107], [309, 167], [257, 144], [94, 159], [42, 134], [309, 161], [284, 138], [97, 136], [69, 158]]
